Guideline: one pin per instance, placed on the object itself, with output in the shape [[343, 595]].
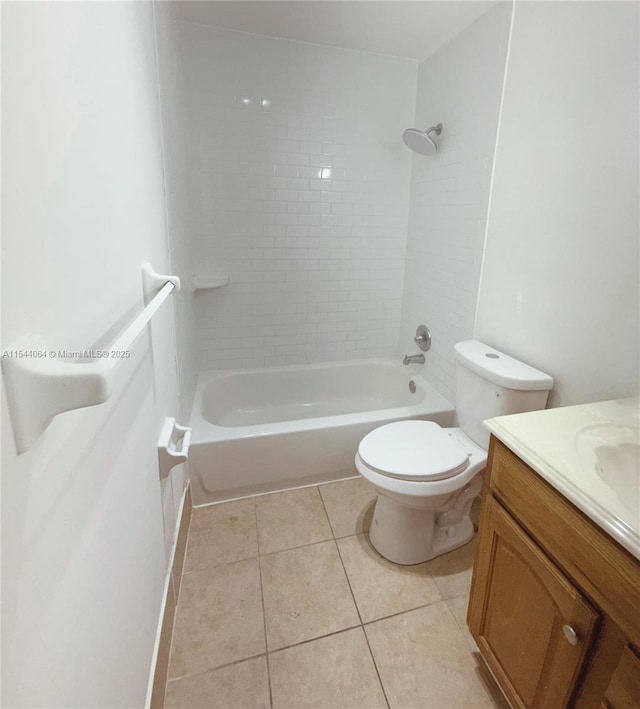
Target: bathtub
[[262, 430]]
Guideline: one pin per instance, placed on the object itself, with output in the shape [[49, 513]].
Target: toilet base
[[411, 536]]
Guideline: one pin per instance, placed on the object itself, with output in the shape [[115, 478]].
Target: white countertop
[[591, 454]]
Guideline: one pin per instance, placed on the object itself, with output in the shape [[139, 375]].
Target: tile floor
[[284, 603]]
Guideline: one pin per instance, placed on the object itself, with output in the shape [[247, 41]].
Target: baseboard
[[162, 648]]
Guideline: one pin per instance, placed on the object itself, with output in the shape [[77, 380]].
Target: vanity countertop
[[591, 454]]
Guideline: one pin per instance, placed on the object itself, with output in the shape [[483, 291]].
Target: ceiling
[[411, 29]]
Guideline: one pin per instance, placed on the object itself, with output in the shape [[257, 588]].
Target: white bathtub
[[261, 430]]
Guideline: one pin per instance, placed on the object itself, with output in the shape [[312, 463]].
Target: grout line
[[324, 507], [264, 615], [218, 667], [344, 568], [255, 513], [408, 610], [375, 665], [311, 640], [355, 534], [363, 624], [355, 603], [217, 566], [302, 546]]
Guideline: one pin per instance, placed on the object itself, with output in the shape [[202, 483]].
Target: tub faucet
[[413, 359]]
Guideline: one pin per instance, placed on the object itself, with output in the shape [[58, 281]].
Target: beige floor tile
[[331, 673], [458, 606], [222, 534], [349, 505], [219, 618], [380, 587], [306, 594], [291, 519], [424, 661], [452, 571], [241, 686]]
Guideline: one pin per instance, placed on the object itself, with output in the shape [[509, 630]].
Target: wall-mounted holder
[[39, 386], [209, 281], [173, 446], [152, 282]]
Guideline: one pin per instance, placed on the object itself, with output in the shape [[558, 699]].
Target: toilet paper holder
[[173, 446]]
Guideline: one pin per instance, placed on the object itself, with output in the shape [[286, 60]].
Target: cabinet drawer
[[609, 575]]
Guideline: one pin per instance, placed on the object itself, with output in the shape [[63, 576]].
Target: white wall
[[459, 86], [82, 539], [300, 194], [560, 281], [177, 186]]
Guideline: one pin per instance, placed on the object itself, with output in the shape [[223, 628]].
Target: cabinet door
[[531, 624], [623, 691]]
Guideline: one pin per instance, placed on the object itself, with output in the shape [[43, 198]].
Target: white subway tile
[[289, 206], [449, 193]]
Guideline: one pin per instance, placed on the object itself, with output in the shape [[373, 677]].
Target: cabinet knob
[[570, 634]]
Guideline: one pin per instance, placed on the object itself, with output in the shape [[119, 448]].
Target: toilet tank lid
[[499, 368]]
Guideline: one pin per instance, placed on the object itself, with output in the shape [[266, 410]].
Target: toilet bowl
[[426, 478]]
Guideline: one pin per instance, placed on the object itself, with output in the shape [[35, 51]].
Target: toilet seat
[[418, 451]]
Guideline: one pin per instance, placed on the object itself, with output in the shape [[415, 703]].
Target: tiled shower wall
[[459, 86], [301, 194], [178, 182]]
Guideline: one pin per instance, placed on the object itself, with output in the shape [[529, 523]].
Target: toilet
[[426, 476]]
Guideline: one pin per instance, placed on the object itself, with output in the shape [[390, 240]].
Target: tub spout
[[413, 359]]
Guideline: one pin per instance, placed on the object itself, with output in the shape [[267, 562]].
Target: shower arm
[[437, 129]]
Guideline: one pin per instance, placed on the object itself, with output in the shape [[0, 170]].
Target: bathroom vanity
[[555, 597]]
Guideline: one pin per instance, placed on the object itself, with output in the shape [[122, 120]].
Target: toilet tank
[[490, 383]]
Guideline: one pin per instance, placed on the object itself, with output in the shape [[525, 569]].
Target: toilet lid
[[413, 450]]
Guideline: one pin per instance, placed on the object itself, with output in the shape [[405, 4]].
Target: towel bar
[[39, 386]]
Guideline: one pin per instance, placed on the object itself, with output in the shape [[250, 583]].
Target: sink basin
[[612, 453], [590, 453]]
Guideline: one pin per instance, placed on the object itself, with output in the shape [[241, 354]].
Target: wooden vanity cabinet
[[555, 602], [623, 691], [526, 610]]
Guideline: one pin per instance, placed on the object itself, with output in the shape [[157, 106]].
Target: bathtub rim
[[204, 431]]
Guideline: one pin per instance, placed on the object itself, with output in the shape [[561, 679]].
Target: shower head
[[419, 140]]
